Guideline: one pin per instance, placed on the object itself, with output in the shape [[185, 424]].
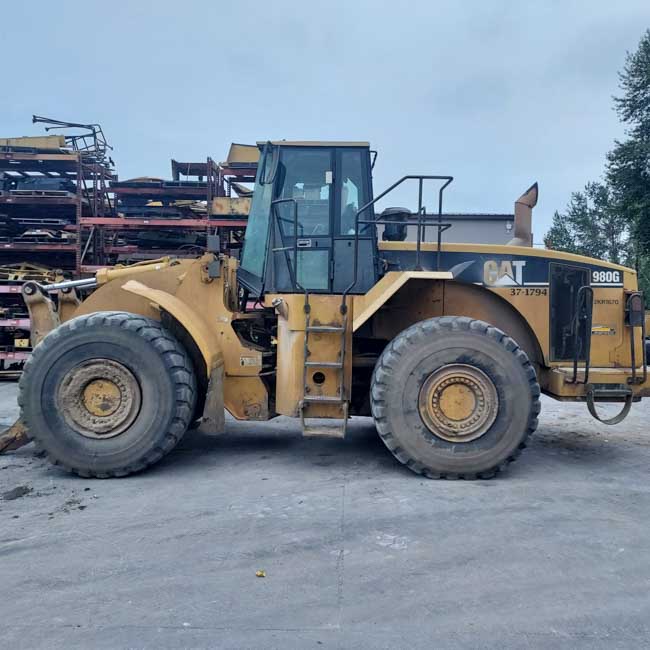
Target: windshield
[[254, 253]]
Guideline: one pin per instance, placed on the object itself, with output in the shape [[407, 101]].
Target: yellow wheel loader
[[333, 310]]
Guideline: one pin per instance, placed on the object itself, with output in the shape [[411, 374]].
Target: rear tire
[[107, 394], [454, 398]]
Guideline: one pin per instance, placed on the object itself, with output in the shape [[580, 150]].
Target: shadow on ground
[[552, 447]]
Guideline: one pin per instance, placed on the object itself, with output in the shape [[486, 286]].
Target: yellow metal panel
[[35, 142], [112, 273], [227, 206], [290, 368], [532, 306], [325, 310], [70, 158], [246, 398], [111, 296], [609, 345], [243, 153], [366, 306], [416, 301], [208, 296], [554, 380], [42, 315]]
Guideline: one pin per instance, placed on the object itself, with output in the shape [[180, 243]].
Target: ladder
[[340, 398]]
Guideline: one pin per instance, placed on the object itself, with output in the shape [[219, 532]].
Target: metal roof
[[314, 143]]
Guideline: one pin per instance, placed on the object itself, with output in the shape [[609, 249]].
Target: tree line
[[610, 218]]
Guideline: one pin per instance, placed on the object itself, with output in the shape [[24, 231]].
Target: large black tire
[[160, 373], [420, 352]]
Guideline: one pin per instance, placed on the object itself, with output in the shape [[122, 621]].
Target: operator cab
[[303, 219]]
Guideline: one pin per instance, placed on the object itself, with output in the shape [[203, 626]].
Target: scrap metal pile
[[47, 185], [64, 211], [38, 192], [15, 343]]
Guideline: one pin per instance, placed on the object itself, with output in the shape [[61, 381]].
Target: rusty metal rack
[[47, 184], [62, 207], [44, 225], [155, 217]]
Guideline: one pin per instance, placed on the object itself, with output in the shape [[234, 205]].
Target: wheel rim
[[99, 398], [458, 403]]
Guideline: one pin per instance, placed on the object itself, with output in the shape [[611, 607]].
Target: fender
[[390, 283], [419, 300], [205, 338], [213, 415]]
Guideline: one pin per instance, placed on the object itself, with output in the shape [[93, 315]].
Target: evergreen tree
[[628, 164], [590, 226], [560, 236], [611, 220]]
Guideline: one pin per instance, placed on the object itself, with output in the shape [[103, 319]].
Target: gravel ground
[[358, 552]]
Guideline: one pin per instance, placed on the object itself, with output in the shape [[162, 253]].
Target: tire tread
[[388, 361], [175, 358]]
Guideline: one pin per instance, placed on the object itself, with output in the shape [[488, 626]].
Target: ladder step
[[324, 399], [613, 392], [324, 364], [324, 431], [325, 328]]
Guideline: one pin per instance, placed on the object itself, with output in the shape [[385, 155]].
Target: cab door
[[304, 189], [353, 191]]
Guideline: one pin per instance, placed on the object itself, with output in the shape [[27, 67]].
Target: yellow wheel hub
[[458, 403], [101, 397]]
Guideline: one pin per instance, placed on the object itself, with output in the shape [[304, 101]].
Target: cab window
[[354, 190], [306, 176]]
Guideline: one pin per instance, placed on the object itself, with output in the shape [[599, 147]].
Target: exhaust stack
[[524, 217]]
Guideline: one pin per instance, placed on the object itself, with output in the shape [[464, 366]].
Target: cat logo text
[[504, 273]]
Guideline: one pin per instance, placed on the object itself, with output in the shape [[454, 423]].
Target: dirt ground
[[357, 551]]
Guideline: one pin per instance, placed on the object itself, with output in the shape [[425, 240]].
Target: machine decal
[[603, 330], [606, 278], [504, 273], [532, 291]]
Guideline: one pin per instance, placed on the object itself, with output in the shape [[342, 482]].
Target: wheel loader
[[333, 310]]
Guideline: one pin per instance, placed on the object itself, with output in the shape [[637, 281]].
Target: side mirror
[[269, 164]]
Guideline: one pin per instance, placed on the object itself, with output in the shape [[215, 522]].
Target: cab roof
[[313, 143]]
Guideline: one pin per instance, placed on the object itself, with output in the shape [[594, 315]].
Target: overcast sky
[[496, 93]]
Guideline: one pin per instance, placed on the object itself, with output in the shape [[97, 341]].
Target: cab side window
[[354, 191], [305, 175]]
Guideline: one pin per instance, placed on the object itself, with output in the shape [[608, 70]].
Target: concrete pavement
[[358, 551]]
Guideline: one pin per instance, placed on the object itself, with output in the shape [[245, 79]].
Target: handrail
[[293, 271], [583, 316], [634, 379], [421, 222], [421, 212]]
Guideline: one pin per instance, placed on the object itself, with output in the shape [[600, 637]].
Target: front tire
[[107, 394], [454, 398]]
